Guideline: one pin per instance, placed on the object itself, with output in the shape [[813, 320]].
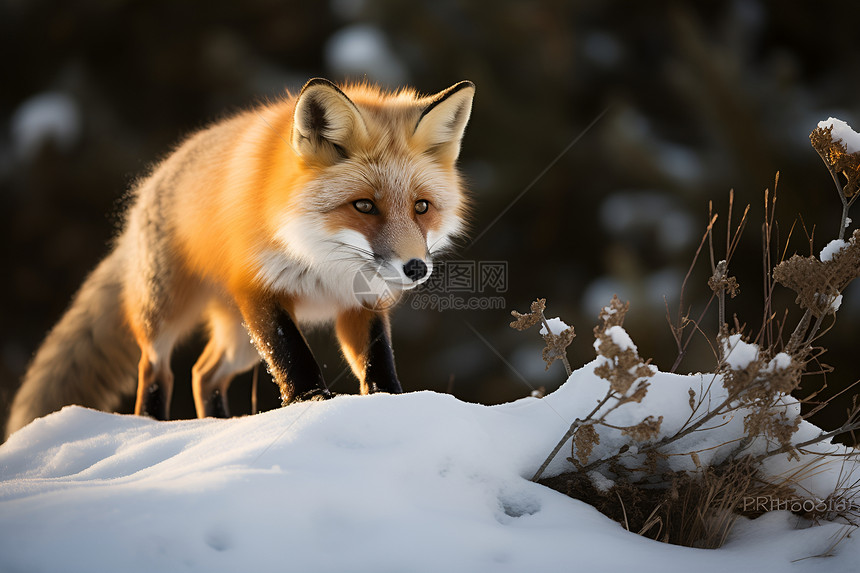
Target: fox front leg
[[365, 337], [285, 350]]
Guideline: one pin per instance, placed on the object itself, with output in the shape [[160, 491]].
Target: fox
[[321, 208]]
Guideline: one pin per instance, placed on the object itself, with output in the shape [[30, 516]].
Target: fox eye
[[365, 206], [421, 206]]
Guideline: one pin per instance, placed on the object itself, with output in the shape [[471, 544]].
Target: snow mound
[[413, 482]]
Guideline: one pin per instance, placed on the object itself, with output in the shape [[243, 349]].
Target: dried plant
[[693, 509], [835, 155], [627, 374], [818, 285], [756, 375], [621, 364], [556, 343], [529, 319], [584, 440]]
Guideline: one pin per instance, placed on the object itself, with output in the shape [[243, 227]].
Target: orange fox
[[257, 225]]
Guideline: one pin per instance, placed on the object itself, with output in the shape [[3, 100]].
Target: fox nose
[[415, 269]]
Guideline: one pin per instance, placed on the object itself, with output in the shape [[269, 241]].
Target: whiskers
[[441, 245], [353, 255], [367, 254]]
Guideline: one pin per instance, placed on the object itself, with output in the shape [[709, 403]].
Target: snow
[[836, 303], [738, 353], [556, 325], [779, 362], [831, 249], [412, 482], [842, 131], [620, 338], [600, 481], [832, 302]]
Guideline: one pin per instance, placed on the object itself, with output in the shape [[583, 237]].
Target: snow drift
[[412, 482]]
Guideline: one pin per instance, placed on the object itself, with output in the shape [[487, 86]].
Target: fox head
[[377, 189]]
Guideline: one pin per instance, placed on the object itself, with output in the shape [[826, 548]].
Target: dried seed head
[[613, 315], [622, 365], [639, 393], [647, 429], [584, 440], [772, 423], [755, 378], [819, 283], [720, 281], [529, 319], [836, 155], [556, 345]]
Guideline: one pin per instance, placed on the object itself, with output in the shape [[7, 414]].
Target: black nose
[[415, 269]]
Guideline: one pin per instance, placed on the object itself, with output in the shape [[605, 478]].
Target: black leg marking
[[380, 375], [290, 360], [155, 404], [216, 405]]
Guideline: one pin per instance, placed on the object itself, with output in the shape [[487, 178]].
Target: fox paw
[[315, 395]]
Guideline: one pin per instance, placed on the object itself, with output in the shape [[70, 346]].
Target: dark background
[[696, 99]]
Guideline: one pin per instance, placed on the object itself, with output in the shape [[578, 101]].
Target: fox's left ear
[[444, 120]]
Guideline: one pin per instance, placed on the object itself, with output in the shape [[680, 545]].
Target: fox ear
[[444, 120], [326, 122]]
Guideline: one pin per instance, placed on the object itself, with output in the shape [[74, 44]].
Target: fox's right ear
[[325, 122]]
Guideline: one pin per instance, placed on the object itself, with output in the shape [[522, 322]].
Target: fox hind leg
[[157, 324], [229, 352], [155, 384]]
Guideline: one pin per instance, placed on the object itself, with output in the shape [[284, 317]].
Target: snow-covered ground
[[413, 482]]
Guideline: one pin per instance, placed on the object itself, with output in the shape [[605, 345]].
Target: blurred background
[[600, 133]]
